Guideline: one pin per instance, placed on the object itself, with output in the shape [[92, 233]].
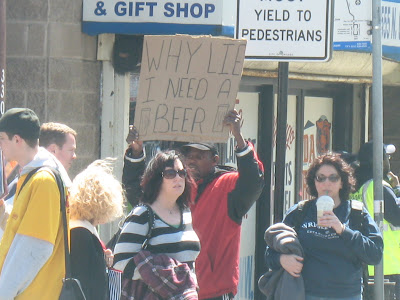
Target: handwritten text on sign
[[187, 85]]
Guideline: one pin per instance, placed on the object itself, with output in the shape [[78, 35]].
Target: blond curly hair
[[96, 195]]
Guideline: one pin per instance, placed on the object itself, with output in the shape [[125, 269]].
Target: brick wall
[[52, 69]]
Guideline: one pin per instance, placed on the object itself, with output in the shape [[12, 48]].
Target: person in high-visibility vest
[[391, 223]]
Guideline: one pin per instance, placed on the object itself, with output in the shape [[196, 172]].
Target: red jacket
[[217, 216]]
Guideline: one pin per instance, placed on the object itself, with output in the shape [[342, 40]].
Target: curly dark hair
[[344, 170], [152, 178]]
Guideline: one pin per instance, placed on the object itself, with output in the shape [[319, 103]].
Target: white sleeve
[[26, 256]]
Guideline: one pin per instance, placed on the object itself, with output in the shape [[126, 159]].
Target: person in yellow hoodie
[[57, 138], [32, 247]]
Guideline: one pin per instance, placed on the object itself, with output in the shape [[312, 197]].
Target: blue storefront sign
[[158, 17]]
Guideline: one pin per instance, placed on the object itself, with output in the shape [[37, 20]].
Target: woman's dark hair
[[344, 170], [152, 178]]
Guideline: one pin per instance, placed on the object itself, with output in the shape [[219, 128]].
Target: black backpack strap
[[113, 241], [356, 215], [60, 184], [300, 214], [61, 189], [29, 176], [151, 226]]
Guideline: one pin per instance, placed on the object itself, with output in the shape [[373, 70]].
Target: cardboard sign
[[187, 85]]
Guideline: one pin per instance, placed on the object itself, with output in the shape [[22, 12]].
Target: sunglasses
[[331, 178], [171, 173]]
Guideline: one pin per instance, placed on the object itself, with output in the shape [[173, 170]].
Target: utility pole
[[377, 133], [280, 140]]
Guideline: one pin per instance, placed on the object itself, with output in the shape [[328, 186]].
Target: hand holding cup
[[324, 204]]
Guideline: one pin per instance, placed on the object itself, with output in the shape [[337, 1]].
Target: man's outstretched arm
[[250, 182]]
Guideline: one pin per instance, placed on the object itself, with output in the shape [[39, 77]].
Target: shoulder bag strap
[[30, 174], [151, 226], [300, 214], [356, 215], [61, 188], [62, 208]]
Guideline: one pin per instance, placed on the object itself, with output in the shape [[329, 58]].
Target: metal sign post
[[285, 31], [377, 132], [279, 192]]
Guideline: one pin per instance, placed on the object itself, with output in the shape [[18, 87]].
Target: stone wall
[[52, 69]]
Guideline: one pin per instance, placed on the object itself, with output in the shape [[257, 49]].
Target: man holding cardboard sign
[[222, 198], [187, 92]]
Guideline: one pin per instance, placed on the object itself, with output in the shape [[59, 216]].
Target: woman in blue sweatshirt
[[335, 249]]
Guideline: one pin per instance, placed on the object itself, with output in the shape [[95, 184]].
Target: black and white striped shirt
[[179, 243]]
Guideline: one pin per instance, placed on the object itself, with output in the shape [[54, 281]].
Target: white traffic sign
[[286, 30]]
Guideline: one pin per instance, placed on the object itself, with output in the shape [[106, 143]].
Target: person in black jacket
[[95, 198]]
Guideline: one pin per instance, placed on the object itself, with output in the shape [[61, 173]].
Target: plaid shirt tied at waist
[[161, 277]]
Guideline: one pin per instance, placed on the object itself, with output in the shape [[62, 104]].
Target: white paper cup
[[324, 203]]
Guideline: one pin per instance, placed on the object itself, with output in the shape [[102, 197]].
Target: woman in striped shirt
[[167, 190]]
